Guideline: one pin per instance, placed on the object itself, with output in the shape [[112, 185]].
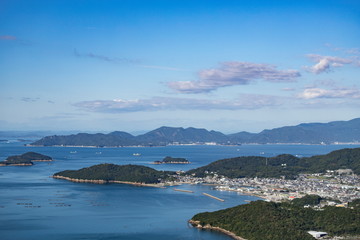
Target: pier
[[219, 199], [181, 190]]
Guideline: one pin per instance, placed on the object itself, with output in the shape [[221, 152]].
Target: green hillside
[[26, 158], [112, 172], [282, 221], [282, 165]]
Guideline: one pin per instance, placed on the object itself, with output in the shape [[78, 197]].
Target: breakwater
[[181, 190], [219, 199]]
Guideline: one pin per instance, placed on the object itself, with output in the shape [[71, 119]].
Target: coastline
[[194, 144], [4, 163], [108, 181], [264, 197], [43, 160], [16, 164], [156, 185], [197, 224], [155, 163]]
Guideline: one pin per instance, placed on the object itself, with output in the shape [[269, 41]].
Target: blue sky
[[136, 65]]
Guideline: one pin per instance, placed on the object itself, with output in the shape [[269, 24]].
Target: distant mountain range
[[306, 133], [31, 134], [311, 133], [159, 137]]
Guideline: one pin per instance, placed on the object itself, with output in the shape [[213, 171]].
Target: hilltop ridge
[[305, 133], [284, 165]]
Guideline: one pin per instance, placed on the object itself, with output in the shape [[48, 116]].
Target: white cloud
[[288, 89], [29, 99], [354, 51], [105, 58], [246, 101], [326, 63], [233, 73], [312, 93], [117, 60], [162, 67]]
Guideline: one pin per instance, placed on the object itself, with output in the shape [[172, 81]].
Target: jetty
[[181, 190], [219, 199]]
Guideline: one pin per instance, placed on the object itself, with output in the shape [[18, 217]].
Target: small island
[[112, 173], [25, 159], [298, 219], [171, 160]]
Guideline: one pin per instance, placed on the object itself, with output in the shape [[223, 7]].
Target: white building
[[317, 234]]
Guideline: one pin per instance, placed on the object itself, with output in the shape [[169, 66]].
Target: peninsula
[[25, 159], [111, 173], [283, 221], [171, 160]]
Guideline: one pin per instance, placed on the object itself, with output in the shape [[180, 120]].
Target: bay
[[35, 206]]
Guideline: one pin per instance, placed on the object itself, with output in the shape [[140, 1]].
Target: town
[[342, 186]]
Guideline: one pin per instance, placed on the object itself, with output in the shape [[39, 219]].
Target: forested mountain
[[158, 137], [281, 221], [307, 133], [25, 159], [282, 165], [111, 172], [166, 135], [114, 139]]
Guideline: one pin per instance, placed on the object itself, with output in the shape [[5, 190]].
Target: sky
[[136, 65]]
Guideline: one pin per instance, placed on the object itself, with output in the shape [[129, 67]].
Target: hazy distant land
[[306, 133]]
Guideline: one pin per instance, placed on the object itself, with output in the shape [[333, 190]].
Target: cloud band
[[233, 73]]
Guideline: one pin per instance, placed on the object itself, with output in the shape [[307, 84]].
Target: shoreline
[[4, 163], [197, 225], [156, 185], [43, 160], [169, 163], [221, 145], [264, 197], [108, 181], [16, 164]]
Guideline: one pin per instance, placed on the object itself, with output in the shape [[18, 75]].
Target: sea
[[35, 206]]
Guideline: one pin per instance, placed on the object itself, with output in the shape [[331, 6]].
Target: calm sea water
[[35, 206]]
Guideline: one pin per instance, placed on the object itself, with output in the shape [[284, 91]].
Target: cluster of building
[[343, 186]]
